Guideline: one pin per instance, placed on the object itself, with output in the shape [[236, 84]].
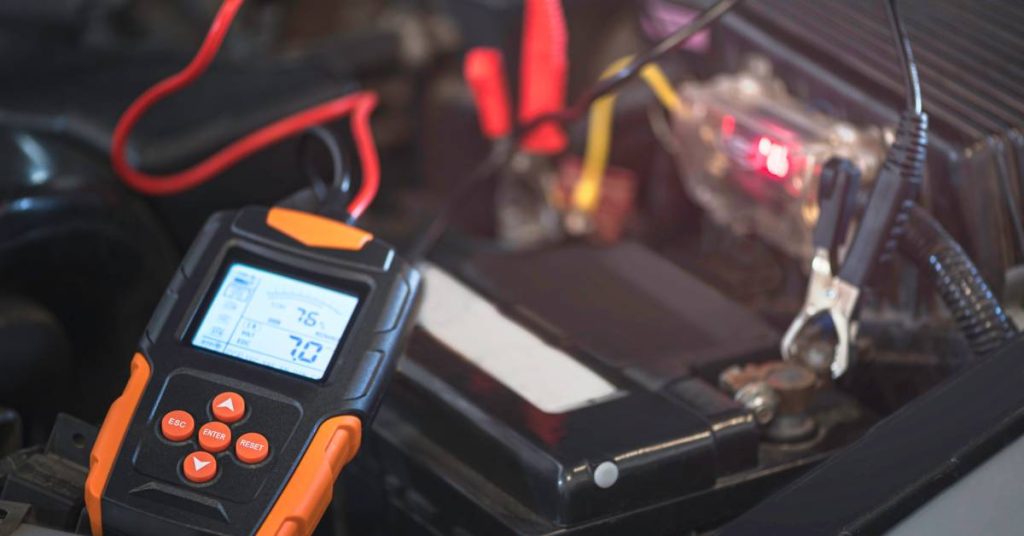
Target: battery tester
[[268, 352], [269, 349]]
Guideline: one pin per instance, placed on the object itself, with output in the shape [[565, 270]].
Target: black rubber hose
[[969, 299]]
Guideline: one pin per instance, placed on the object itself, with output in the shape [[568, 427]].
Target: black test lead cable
[[923, 240], [911, 79]]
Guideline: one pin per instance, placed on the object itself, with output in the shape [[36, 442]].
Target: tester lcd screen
[[275, 321]]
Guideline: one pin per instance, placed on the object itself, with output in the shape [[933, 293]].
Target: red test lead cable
[[543, 69], [360, 104]]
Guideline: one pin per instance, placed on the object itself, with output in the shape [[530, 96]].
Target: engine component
[[838, 56], [36, 351], [750, 154], [51, 478]]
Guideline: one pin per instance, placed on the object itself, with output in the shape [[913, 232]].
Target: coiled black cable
[[909, 149], [921, 238], [907, 157], [969, 299]]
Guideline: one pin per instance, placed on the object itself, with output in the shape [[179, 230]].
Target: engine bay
[[518, 267]]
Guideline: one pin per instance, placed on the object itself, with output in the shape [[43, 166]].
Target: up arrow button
[[228, 407]]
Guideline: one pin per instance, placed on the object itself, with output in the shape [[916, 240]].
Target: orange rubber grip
[[317, 231], [308, 493], [108, 441]]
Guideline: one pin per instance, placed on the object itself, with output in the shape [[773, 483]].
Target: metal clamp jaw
[[826, 294], [834, 288], [830, 298]]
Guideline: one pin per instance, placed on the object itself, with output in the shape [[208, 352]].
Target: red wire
[[360, 104]]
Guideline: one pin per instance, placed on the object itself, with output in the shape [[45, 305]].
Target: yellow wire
[[587, 193]]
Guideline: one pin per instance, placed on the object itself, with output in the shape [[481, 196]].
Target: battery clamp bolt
[[760, 399]]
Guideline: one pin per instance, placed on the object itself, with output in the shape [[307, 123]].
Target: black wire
[[502, 152], [335, 191], [327, 199], [499, 157], [910, 76]]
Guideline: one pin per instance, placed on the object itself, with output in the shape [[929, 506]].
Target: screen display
[[275, 321]]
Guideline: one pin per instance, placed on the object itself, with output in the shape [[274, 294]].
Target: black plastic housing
[[146, 493]]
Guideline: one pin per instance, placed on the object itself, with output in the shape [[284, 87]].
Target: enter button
[[252, 448], [214, 436]]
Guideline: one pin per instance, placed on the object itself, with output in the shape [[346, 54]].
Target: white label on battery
[[547, 377]]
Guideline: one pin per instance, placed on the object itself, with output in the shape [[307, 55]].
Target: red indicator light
[[773, 157], [778, 162]]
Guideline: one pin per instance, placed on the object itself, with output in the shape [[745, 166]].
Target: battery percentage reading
[[308, 318]]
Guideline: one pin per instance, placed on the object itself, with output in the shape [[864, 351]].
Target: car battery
[[565, 391]]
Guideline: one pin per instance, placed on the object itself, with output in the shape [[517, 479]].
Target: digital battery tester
[[269, 350]]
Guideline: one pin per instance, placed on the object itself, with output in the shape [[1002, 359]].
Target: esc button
[[177, 425]]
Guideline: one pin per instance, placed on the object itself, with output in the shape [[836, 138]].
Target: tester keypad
[[219, 438]]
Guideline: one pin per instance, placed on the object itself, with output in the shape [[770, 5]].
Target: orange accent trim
[[305, 498], [109, 439], [316, 231]]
